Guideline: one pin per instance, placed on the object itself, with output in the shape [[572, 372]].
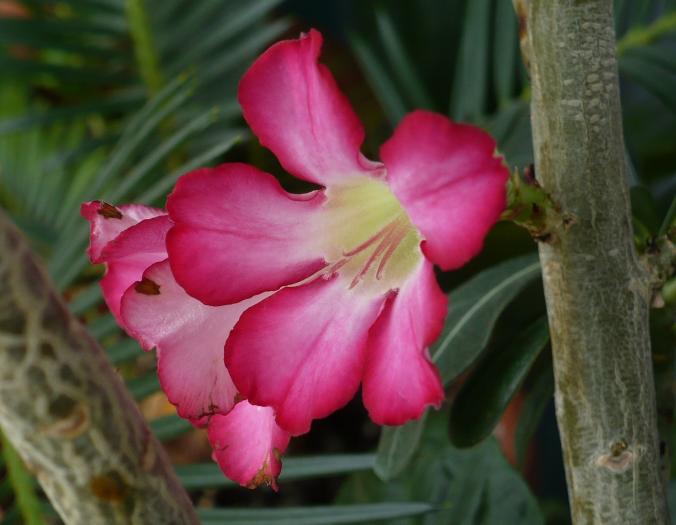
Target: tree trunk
[[67, 412], [597, 291]]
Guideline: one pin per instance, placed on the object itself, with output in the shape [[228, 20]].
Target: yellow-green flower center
[[368, 237]]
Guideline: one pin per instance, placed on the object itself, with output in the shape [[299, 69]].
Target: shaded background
[[101, 100]]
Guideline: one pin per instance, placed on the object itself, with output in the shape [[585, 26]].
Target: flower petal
[[238, 233], [294, 106], [189, 337], [301, 351], [106, 222], [128, 255], [399, 379], [449, 181], [247, 444]]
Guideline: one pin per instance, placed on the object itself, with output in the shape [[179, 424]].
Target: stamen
[[398, 236], [376, 253], [371, 240]]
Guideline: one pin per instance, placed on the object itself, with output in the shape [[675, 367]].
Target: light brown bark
[[67, 412]]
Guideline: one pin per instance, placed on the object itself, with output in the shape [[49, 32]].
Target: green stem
[[597, 291], [144, 47], [641, 36], [22, 485]]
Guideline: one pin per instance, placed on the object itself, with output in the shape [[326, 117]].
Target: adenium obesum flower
[[270, 309], [140, 290]]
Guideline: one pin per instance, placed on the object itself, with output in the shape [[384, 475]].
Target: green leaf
[[415, 90], [470, 82], [669, 218], [474, 309], [208, 475], [170, 427], [125, 350], [644, 208], [328, 515], [396, 447], [505, 52], [485, 395], [163, 185], [385, 89], [652, 77], [535, 403], [23, 485], [142, 387]]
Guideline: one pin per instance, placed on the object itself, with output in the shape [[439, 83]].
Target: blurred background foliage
[[114, 99]]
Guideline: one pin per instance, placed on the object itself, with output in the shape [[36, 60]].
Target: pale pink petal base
[[248, 444], [301, 351], [399, 379], [106, 222], [295, 108], [238, 233], [189, 337], [449, 181]]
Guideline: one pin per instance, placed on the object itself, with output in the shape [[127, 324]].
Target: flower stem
[[597, 291]]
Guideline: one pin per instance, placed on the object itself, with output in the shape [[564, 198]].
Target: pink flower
[[140, 290], [303, 297], [349, 267]]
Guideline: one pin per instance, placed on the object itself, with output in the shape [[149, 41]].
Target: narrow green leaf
[[652, 77], [119, 102], [125, 350], [160, 152], [169, 427], [142, 387], [505, 52], [23, 485], [242, 51], [103, 326], [402, 66], [383, 86], [328, 515], [474, 309], [534, 405], [669, 219], [162, 186], [208, 475], [86, 299], [396, 448], [470, 79], [233, 21], [485, 396]]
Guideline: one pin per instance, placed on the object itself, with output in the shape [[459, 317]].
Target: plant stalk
[[597, 291], [68, 414]]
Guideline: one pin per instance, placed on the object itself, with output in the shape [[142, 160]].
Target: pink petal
[[128, 255], [106, 222], [189, 337], [450, 182], [294, 106], [399, 379], [247, 444], [238, 233], [301, 351]]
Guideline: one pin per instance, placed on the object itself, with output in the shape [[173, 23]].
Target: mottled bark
[[597, 291], [67, 412]]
